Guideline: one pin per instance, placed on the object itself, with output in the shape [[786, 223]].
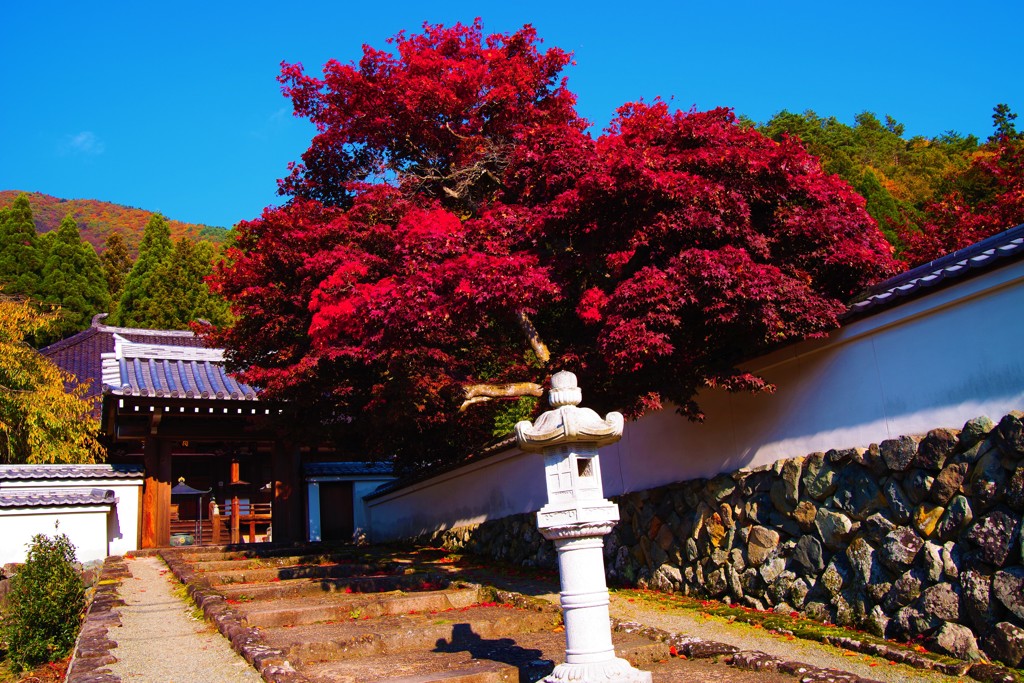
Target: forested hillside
[[930, 196], [62, 274], [97, 220]]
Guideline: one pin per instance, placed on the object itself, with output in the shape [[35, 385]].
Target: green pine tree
[[179, 291], [1003, 123], [137, 297], [117, 263], [882, 206], [73, 281], [20, 257]]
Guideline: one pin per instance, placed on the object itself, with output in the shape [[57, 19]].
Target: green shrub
[[43, 609]]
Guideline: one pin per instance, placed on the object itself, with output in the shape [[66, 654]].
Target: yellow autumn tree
[[42, 420]]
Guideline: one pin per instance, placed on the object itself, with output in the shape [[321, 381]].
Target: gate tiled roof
[[134, 369], [130, 361]]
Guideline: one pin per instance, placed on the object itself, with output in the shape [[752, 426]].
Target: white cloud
[[85, 143]]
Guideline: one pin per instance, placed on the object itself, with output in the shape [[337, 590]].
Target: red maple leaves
[[451, 199]]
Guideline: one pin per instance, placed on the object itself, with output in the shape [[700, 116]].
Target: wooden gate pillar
[[156, 494], [288, 518]]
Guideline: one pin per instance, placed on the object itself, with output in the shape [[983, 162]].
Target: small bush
[[43, 609]]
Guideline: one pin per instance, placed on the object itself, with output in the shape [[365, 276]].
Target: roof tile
[[63, 472], [50, 497]]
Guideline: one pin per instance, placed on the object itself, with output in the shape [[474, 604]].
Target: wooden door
[[336, 522]]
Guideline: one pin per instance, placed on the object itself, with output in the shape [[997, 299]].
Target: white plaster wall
[[494, 487], [122, 525], [361, 488], [85, 526], [937, 361]]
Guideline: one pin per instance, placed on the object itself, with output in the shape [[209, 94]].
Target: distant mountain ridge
[[97, 219]]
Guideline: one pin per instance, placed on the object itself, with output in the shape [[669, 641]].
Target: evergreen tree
[[1003, 121], [880, 204], [73, 280], [154, 251], [179, 293], [117, 263], [20, 258]]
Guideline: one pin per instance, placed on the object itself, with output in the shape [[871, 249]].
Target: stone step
[[524, 657], [315, 587], [301, 571], [334, 607], [283, 561], [417, 667], [193, 554], [399, 634]]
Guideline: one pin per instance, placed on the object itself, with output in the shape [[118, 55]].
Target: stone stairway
[[356, 615]]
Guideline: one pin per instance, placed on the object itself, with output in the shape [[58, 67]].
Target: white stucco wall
[[932, 362], [118, 534], [85, 526]]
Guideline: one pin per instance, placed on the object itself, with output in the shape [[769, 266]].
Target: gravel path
[[748, 638], [160, 642]]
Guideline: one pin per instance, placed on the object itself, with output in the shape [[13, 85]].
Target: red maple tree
[[455, 235]]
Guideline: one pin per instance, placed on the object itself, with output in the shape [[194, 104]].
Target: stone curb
[[270, 662], [754, 660], [749, 660], [93, 648]]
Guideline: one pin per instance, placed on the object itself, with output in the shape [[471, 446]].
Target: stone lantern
[[576, 518]]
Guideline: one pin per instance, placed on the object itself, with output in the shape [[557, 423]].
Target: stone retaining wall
[[914, 538]]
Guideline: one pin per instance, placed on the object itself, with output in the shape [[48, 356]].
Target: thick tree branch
[[539, 347], [478, 393]]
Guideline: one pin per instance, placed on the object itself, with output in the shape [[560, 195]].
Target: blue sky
[[174, 107]]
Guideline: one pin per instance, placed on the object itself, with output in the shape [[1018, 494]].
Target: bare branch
[[478, 393], [472, 401], [539, 347]]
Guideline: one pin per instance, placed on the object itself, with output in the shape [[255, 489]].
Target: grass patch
[[180, 591]]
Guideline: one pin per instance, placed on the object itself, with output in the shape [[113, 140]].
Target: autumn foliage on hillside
[[455, 235], [984, 199], [930, 196], [97, 220]]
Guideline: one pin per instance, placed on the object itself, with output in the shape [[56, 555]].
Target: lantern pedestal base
[[612, 671]]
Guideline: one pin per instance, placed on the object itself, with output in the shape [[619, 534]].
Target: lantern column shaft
[[584, 601]]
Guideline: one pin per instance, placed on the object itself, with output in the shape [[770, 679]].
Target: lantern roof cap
[[568, 423]]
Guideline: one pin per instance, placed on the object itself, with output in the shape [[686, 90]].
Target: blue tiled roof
[[986, 254], [55, 497], [65, 472], [79, 354], [131, 361], [343, 469], [135, 369]]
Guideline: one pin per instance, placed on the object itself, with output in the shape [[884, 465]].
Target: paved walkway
[[160, 642]]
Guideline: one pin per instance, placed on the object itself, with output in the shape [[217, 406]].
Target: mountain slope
[[97, 219]]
